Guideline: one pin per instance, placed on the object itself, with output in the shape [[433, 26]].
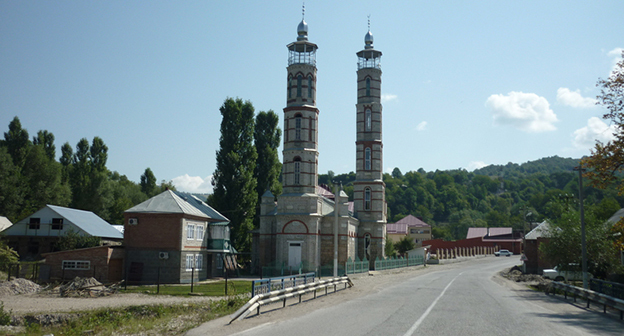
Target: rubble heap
[[534, 280], [18, 286], [88, 287]]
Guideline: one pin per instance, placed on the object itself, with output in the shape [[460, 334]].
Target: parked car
[[503, 253], [572, 273]]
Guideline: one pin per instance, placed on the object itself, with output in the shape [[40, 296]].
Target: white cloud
[[193, 184], [616, 54], [525, 111], [476, 165], [574, 98], [422, 126], [388, 97], [596, 129]]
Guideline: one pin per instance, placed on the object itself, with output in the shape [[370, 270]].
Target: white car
[[503, 253], [574, 273]]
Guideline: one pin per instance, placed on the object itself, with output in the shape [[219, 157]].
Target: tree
[[11, 191], [17, 143], [72, 240], [234, 184], [7, 256], [405, 244], [267, 137], [607, 160], [564, 246], [396, 173], [390, 250], [46, 140], [148, 182]]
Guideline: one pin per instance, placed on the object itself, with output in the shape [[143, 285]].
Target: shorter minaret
[[369, 188]]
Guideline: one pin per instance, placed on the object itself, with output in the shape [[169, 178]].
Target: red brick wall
[[98, 256], [161, 231]]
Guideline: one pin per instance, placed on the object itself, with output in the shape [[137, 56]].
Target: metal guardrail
[[262, 299], [613, 289], [590, 296], [267, 285]]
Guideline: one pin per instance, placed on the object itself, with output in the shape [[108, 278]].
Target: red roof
[[400, 227]]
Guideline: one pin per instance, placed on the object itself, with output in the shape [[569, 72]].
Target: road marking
[[422, 318]]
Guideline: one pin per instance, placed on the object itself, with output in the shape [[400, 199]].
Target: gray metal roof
[[176, 202], [88, 222], [542, 230]]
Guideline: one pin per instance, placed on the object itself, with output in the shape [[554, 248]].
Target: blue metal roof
[[88, 222]]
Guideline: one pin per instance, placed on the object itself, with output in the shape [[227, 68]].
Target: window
[[33, 247], [190, 262], [309, 86], [199, 261], [190, 231], [368, 91], [57, 223], [367, 199], [289, 87], [369, 120], [299, 79], [199, 232], [76, 264], [367, 158], [298, 127], [297, 170], [33, 224], [312, 129]]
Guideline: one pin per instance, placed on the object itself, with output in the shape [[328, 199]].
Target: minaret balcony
[[302, 52]]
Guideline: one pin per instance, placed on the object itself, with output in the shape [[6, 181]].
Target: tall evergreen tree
[[67, 154], [11, 191], [148, 183], [17, 143], [46, 139], [233, 180], [267, 136]]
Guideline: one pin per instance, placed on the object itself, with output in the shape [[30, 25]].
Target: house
[[492, 239], [39, 232], [105, 263], [174, 237], [532, 241], [409, 226]]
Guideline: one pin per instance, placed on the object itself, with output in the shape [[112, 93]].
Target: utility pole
[[336, 207], [580, 169]]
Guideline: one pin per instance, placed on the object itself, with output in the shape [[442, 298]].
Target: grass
[[235, 287], [150, 319]]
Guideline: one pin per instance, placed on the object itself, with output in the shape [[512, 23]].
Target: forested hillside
[[510, 195]]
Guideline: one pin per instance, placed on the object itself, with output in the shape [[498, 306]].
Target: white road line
[[422, 318]]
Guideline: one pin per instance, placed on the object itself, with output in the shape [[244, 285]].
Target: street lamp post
[[580, 169], [336, 207]]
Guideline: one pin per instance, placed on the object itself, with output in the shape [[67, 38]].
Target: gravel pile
[[88, 287], [18, 286], [515, 274]]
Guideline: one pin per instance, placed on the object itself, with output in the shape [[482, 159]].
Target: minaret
[[300, 162], [369, 188]]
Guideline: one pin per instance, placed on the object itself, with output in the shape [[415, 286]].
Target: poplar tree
[[233, 180], [148, 183], [267, 138]]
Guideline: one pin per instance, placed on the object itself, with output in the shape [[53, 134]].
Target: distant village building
[[297, 232], [411, 227], [39, 232]]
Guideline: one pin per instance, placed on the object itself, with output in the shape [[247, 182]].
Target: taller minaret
[[300, 163], [369, 188]]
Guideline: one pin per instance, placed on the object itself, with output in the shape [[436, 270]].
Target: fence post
[[193, 278], [158, 281]]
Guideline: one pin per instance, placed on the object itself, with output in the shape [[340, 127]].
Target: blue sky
[[465, 84]]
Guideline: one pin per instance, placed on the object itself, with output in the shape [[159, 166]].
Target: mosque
[[299, 230]]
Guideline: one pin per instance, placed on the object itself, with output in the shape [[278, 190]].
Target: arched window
[[298, 127], [368, 87], [297, 170], [289, 87], [299, 79], [369, 119], [312, 129], [367, 158], [309, 86], [367, 199]]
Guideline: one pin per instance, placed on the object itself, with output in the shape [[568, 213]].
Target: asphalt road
[[466, 299]]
